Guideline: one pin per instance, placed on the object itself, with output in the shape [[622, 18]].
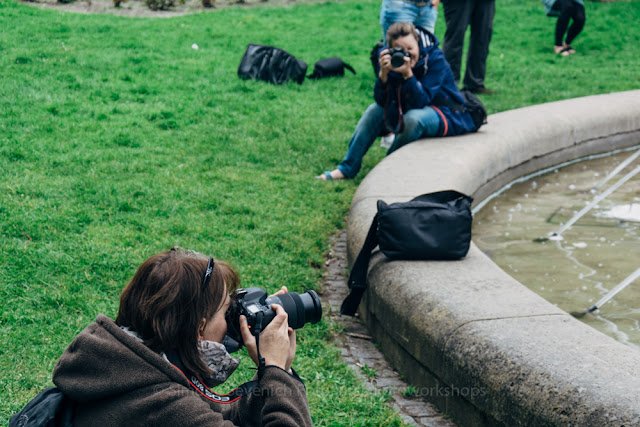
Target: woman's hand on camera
[[385, 65], [292, 336], [277, 341], [292, 349], [283, 290], [274, 341], [248, 339], [405, 69]]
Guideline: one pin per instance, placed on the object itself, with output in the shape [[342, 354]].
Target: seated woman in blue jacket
[[417, 99]]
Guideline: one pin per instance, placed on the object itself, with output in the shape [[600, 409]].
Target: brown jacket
[[118, 381]]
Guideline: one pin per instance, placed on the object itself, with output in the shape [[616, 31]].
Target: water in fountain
[[595, 254]]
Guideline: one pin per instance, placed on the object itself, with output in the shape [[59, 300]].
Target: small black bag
[[271, 64], [50, 408], [330, 67], [434, 226]]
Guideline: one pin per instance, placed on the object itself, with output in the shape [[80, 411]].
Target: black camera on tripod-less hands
[[255, 305], [397, 56]]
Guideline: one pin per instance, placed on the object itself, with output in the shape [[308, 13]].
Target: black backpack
[[271, 64], [50, 408], [475, 108]]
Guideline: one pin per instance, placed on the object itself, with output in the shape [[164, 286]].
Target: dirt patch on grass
[[138, 8]]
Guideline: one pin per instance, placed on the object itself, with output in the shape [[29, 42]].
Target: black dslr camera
[[255, 305], [397, 56]]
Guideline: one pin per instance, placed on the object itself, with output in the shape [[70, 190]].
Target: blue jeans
[[418, 123], [393, 11]]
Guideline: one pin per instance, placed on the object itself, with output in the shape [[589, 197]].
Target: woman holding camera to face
[[156, 363], [415, 97]]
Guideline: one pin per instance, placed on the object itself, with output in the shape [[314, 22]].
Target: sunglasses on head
[[207, 274]]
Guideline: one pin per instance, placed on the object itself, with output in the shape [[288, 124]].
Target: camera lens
[[397, 59], [301, 308]]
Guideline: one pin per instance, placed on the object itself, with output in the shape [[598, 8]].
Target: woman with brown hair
[[156, 363]]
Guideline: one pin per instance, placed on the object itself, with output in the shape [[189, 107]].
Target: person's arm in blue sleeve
[[421, 93], [380, 88]]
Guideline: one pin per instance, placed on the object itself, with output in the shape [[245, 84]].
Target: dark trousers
[[460, 14], [569, 10]]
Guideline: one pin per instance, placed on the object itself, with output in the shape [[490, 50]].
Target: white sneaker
[[387, 140]]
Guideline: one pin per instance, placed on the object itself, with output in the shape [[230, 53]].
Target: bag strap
[[358, 277], [348, 67]]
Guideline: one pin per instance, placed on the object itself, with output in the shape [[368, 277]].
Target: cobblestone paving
[[360, 352]]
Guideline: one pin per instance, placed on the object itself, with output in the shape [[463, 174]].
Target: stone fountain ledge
[[473, 340]]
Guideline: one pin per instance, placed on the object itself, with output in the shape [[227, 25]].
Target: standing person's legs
[[427, 16], [367, 130], [418, 123], [481, 31], [579, 18], [456, 15], [393, 11], [563, 21]]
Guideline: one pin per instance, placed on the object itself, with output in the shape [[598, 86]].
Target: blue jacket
[[432, 85]]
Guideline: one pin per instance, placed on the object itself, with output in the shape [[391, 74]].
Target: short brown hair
[[400, 29], [165, 302]]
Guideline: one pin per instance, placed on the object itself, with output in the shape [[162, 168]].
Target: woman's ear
[[201, 328]]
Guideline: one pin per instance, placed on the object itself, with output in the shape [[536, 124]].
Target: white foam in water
[[580, 245], [628, 212], [613, 327]]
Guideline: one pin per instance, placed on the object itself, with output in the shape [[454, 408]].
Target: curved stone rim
[[482, 346]]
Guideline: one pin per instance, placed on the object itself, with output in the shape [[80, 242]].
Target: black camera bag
[[330, 67], [475, 108], [434, 226], [472, 105], [50, 408], [271, 64]]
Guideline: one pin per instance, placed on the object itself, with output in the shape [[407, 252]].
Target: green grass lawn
[[118, 140]]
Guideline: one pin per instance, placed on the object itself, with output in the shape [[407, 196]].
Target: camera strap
[[205, 391], [257, 328], [400, 125]]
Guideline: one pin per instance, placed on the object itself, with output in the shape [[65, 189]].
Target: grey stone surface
[[467, 325], [554, 369]]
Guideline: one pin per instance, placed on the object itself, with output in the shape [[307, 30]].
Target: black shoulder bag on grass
[[271, 64], [434, 226], [330, 67]]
